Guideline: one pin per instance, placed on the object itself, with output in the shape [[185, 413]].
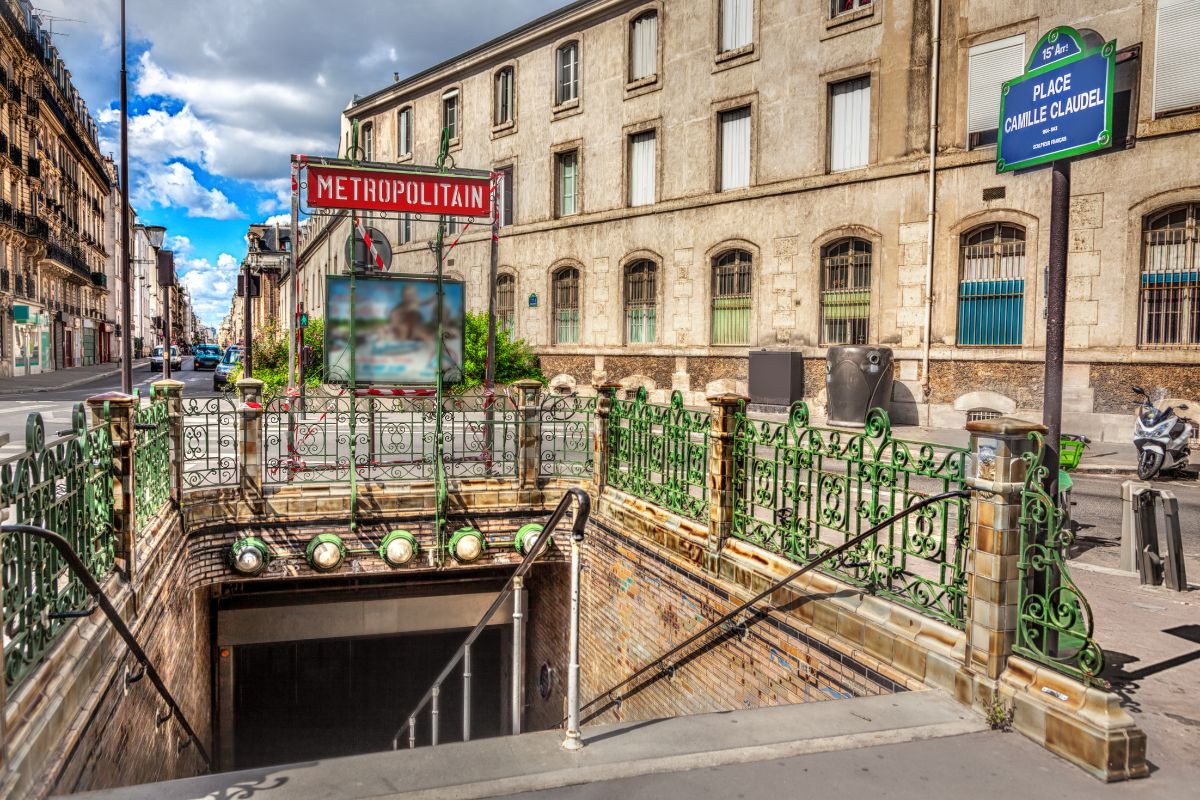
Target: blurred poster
[[395, 328]]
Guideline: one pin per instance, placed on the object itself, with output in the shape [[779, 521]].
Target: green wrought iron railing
[[565, 436], [151, 458], [800, 490], [67, 485], [660, 453], [210, 441], [1054, 624]]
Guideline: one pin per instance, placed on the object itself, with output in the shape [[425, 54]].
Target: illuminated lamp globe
[[398, 548], [527, 536], [325, 552], [249, 556], [466, 545]]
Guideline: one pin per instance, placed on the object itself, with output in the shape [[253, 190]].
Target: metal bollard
[[1174, 571]]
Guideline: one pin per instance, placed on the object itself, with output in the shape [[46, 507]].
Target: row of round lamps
[[325, 552]]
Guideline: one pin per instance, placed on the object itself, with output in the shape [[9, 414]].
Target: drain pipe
[[934, 76], [573, 741], [518, 653]]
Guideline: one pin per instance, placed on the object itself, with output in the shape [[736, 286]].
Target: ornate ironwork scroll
[[151, 458], [210, 441], [660, 453], [66, 486], [801, 490], [1054, 625], [565, 442]]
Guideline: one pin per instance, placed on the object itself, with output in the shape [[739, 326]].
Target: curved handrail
[[80, 570], [583, 505], [827, 556]]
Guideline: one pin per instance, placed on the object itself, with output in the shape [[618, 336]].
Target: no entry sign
[[402, 192]]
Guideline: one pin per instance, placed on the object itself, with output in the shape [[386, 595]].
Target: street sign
[[255, 285], [374, 252], [1061, 107], [402, 192]]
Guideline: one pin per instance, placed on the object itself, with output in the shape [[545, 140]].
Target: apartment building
[[685, 182]]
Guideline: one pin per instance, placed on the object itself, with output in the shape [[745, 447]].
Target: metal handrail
[[80, 570], [836, 552], [583, 504]]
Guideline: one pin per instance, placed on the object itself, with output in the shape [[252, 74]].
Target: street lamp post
[[165, 264], [126, 281]]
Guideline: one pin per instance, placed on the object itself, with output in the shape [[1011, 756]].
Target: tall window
[[404, 131], [1176, 68], [1169, 296], [735, 149], [567, 72], [506, 195], [506, 301], [846, 292], [567, 169], [643, 46], [566, 306], [991, 289], [839, 7], [850, 124], [368, 142], [642, 168], [989, 65], [450, 112], [405, 229], [504, 96], [737, 24], [640, 302], [731, 298]]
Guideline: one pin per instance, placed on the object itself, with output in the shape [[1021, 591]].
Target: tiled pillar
[[993, 575], [607, 392], [251, 456], [116, 410], [173, 390], [529, 434], [721, 489]]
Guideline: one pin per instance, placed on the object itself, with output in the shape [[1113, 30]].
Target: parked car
[[207, 356], [156, 359], [233, 357]]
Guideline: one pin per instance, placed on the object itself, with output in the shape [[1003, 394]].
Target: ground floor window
[[846, 292], [991, 289], [731, 284], [640, 302], [1169, 294], [566, 306]]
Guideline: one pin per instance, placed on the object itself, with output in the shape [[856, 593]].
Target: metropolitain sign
[[401, 192]]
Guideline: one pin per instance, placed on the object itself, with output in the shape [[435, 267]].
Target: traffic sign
[[1061, 106]]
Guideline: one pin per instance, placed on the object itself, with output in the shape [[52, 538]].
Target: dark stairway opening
[[309, 700]]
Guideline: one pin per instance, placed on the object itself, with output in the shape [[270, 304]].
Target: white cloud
[[210, 286], [279, 219], [175, 186]]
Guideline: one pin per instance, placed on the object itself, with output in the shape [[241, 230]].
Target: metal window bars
[[566, 306], [1169, 293], [846, 292], [731, 287], [641, 302], [991, 289]]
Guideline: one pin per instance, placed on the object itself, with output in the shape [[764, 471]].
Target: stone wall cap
[[727, 399], [1006, 426], [527, 383], [111, 397], [248, 382], [169, 383]]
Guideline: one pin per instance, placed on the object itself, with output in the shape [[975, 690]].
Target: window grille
[[731, 298], [566, 306], [504, 96], [846, 292], [979, 414], [991, 289], [506, 300], [1169, 295], [737, 28], [568, 72], [643, 46], [641, 302]]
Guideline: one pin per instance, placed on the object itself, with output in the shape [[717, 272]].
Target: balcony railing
[[32, 108], [100, 279], [70, 258], [14, 153]]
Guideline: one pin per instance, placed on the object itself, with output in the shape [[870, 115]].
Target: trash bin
[[776, 378], [857, 379]]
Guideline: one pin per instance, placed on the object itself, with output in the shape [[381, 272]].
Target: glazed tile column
[[529, 434], [607, 393], [993, 573], [116, 410], [173, 390], [250, 443], [721, 485]]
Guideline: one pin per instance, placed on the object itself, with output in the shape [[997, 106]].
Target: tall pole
[[126, 276], [292, 305], [1056, 304], [247, 336], [166, 292], [490, 368]]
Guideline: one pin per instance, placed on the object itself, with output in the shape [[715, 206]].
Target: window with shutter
[[404, 132], [643, 47], [737, 18], [1176, 68], [504, 96], [568, 183], [989, 65], [850, 124], [506, 195], [450, 113], [735, 149], [568, 72], [642, 168], [506, 295]]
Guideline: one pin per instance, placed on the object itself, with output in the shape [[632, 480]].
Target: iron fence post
[[529, 434], [116, 410], [173, 390], [250, 442], [607, 393]]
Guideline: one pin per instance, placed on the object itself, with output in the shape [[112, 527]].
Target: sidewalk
[[64, 378]]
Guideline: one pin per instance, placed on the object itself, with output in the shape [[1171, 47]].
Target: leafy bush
[[515, 360], [270, 357]]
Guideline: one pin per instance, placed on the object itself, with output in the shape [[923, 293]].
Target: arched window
[[846, 292], [565, 292], [1169, 295], [991, 287], [567, 68], [503, 111], [506, 301], [641, 302], [731, 297], [643, 46]]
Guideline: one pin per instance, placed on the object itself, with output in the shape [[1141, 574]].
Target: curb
[[69, 385]]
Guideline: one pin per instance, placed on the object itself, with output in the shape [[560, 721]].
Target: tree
[[515, 360]]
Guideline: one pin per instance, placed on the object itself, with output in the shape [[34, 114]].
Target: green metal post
[[353, 377]]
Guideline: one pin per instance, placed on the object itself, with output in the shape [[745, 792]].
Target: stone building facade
[[54, 190], [690, 181]]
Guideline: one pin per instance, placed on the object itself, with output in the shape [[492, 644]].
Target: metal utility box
[[857, 379], [776, 377]]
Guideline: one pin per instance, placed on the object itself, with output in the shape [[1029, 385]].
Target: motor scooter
[[1162, 437]]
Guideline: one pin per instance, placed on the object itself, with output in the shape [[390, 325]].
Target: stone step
[[536, 761]]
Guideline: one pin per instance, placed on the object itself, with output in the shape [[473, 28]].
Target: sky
[[222, 92]]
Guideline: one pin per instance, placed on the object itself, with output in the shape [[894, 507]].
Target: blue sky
[[222, 92]]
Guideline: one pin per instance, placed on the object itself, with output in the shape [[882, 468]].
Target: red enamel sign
[[409, 192]]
